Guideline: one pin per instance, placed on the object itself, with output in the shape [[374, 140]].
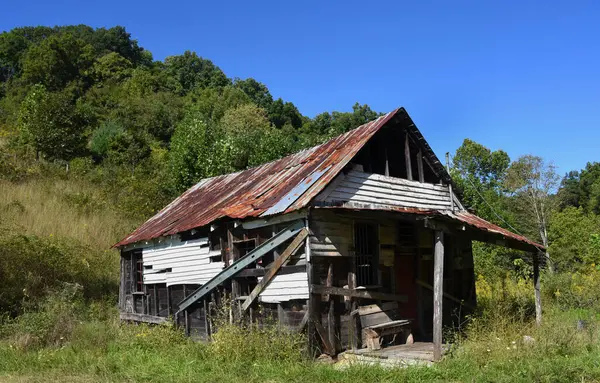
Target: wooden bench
[[381, 320]]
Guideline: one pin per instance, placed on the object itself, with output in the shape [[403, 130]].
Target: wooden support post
[[155, 292], [354, 330], [438, 293], [387, 164], [536, 286], [420, 166], [451, 193], [331, 310], [206, 323], [407, 158], [314, 316], [280, 315], [169, 309], [186, 318], [122, 284]]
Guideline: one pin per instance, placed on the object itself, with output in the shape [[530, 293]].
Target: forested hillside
[[94, 100], [96, 136]]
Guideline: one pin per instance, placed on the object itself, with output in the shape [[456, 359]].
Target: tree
[[192, 72], [244, 128], [49, 123], [56, 61], [257, 91], [569, 193], [111, 68], [480, 173], [533, 183], [574, 237], [14, 45], [192, 151], [282, 113], [212, 103], [105, 137]]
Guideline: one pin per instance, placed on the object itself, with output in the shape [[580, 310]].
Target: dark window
[[366, 254]]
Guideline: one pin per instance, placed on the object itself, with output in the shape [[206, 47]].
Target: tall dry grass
[[61, 208]]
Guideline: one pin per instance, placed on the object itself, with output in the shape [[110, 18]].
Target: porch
[[418, 353]]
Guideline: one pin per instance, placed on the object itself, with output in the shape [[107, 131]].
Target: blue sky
[[523, 76]]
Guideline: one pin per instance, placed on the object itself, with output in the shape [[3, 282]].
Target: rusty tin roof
[[280, 186], [286, 185]]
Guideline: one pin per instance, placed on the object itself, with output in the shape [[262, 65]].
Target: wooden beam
[[438, 291], [407, 158], [142, 318], [353, 305], [320, 289], [122, 283], [237, 266], [206, 321], [280, 315], [446, 295], [420, 166], [303, 322], [321, 331], [449, 182], [274, 267], [331, 309], [262, 222], [260, 272], [185, 315], [536, 286]]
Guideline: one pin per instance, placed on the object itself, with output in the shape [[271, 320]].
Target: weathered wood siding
[[285, 288], [374, 189], [177, 263], [331, 235]]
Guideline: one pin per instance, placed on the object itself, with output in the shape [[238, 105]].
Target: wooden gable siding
[[177, 263], [367, 188]]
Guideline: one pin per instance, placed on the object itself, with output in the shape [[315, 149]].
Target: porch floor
[[392, 356]]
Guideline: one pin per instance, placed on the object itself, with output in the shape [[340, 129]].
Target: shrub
[[30, 266], [49, 324], [578, 290], [237, 341]]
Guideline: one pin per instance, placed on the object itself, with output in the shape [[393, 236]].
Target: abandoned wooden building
[[360, 241]]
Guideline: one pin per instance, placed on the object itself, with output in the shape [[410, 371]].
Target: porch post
[[536, 286], [438, 291]]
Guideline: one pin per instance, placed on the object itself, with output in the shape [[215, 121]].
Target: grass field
[[107, 351], [68, 332]]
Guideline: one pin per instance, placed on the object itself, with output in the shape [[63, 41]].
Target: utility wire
[[488, 204]]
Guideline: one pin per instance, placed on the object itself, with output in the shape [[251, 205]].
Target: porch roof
[[460, 220]]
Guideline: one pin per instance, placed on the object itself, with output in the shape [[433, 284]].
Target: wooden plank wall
[[181, 262], [367, 188], [330, 235]]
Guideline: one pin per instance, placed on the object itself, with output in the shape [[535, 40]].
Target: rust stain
[[251, 192], [462, 216]]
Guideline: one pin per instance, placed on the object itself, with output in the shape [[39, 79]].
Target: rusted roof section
[[285, 185], [482, 224], [463, 217]]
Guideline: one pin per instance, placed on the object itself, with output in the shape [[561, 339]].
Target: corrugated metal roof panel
[[286, 185], [461, 216], [252, 192]]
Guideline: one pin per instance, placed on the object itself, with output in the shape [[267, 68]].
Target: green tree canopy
[[49, 123], [192, 71], [56, 61]]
